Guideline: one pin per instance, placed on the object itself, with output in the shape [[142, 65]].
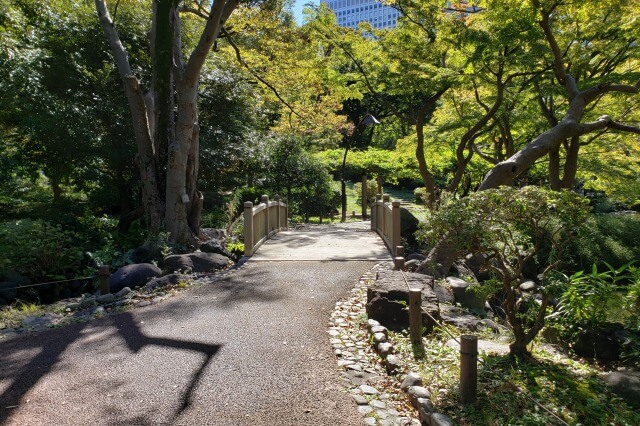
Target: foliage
[[39, 250], [509, 390], [292, 171], [611, 238], [236, 248], [592, 299], [509, 226], [372, 190]]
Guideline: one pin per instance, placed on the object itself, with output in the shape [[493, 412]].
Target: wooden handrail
[[385, 220], [263, 221]]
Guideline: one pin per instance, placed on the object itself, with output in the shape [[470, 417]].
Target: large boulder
[[167, 280], [147, 253], [460, 318], [216, 246], [465, 297], [599, 343], [135, 275], [388, 299], [625, 384], [195, 262], [408, 227]]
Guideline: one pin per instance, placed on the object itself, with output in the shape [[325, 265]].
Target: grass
[[517, 392], [11, 316]]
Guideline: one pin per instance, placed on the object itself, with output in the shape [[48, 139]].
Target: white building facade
[[350, 13]]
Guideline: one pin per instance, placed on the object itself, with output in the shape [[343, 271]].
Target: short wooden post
[[396, 239], [353, 214], [415, 321], [364, 197], [248, 228], [105, 276], [468, 369], [277, 199], [398, 260], [265, 200]]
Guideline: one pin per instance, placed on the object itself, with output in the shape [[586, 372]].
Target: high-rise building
[[351, 12]]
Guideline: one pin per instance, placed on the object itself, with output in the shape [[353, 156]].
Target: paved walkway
[[340, 242], [248, 349]]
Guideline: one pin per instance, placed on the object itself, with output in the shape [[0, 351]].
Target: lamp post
[[368, 120]]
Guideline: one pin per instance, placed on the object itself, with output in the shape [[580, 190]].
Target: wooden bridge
[[266, 228]]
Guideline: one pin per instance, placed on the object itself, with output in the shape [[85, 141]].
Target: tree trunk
[[55, 187], [427, 177]]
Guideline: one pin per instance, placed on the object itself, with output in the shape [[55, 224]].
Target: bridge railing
[[385, 220], [263, 221]]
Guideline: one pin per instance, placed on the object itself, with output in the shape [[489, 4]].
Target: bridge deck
[[337, 242]]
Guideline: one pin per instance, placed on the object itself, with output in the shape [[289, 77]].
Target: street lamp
[[368, 120]]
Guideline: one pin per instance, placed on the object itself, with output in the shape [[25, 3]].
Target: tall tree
[[165, 118]]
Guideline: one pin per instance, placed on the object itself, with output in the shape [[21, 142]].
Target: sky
[[297, 9]]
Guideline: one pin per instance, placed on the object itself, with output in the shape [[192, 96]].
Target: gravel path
[[250, 349]]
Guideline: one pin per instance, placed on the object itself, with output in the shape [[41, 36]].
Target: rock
[[195, 262], [8, 291], [528, 286], [459, 317], [369, 421], [425, 409], [466, 298], [84, 303], [372, 323], [475, 263], [384, 349], [106, 298], [416, 392], [147, 253], [171, 279], [143, 304], [368, 390], [408, 227], [215, 246], [416, 256], [412, 265], [379, 338], [444, 294], [492, 325], [392, 364], [598, 343], [123, 292], [364, 409], [625, 384], [377, 404], [412, 379], [388, 296], [439, 419], [379, 329], [359, 399], [135, 275]]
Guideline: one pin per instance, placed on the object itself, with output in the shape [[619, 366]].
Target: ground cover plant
[[552, 390]]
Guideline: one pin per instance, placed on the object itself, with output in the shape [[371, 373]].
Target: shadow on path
[[51, 345]]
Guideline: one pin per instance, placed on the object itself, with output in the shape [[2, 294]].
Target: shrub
[[606, 238], [39, 250], [509, 226]]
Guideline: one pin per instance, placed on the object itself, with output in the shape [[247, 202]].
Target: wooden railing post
[[396, 239], [105, 276], [415, 321], [398, 260], [468, 368], [277, 199], [364, 197], [265, 200], [248, 228]]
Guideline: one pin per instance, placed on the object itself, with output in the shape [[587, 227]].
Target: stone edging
[[369, 366]]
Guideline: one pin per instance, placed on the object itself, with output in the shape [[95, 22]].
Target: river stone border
[[370, 368]]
